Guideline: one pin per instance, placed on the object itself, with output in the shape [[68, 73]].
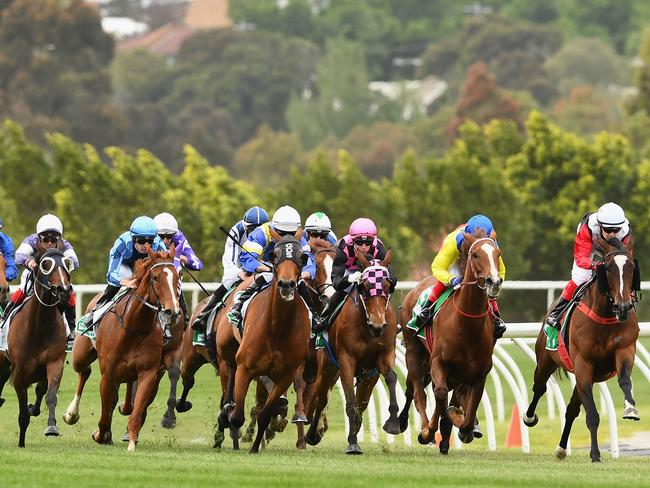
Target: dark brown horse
[[461, 356], [37, 340], [602, 343], [363, 339], [276, 337], [4, 286], [130, 341], [417, 359]]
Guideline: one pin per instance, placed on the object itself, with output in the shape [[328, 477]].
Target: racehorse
[[461, 356], [84, 354], [362, 337], [417, 359], [37, 339], [602, 343], [276, 337], [4, 286]]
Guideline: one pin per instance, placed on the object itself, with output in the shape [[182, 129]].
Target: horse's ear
[[172, 251], [40, 250], [299, 233], [387, 258], [493, 235], [469, 238], [361, 258], [151, 253], [274, 234], [629, 243]]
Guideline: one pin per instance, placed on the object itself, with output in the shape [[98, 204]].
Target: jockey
[[318, 226], [233, 273], [7, 251], [49, 235], [445, 269], [258, 250], [132, 245], [184, 254], [362, 236], [608, 222]]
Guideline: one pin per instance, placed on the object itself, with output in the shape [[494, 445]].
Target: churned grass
[[184, 456]]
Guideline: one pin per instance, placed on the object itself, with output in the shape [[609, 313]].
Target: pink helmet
[[363, 227]]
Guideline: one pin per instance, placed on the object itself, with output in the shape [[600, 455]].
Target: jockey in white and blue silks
[[318, 226], [7, 250], [130, 246], [233, 274], [258, 250]]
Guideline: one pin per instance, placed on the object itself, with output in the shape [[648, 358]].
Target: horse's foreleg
[[572, 411], [188, 370], [465, 423], [39, 391], [23, 413], [5, 373], [147, 388], [392, 425], [109, 394], [54, 374], [440, 391], [126, 406], [269, 409], [363, 393], [584, 383], [83, 355], [348, 367], [299, 417], [404, 414], [317, 399], [543, 370], [242, 380], [168, 420], [624, 363]]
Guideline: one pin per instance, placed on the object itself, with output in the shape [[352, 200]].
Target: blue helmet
[[479, 221], [143, 226], [255, 216]]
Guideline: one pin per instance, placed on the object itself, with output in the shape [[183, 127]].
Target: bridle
[[375, 274], [42, 271], [319, 290], [156, 306]]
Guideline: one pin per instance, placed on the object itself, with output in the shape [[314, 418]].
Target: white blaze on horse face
[[620, 261], [64, 281], [328, 263], [170, 282], [491, 253]]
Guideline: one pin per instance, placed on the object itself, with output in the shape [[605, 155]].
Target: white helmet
[[49, 222], [286, 219], [166, 223], [611, 215], [318, 222]]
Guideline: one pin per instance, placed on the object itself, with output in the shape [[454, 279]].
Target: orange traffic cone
[[438, 437], [513, 437]]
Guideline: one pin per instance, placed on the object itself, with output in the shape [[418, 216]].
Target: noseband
[[601, 275]]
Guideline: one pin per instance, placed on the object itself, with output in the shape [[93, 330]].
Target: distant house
[[167, 40], [416, 95]]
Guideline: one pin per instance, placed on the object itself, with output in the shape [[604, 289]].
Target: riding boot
[[303, 290], [557, 311], [71, 317], [424, 316], [183, 304], [498, 326], [200, 323], [107, 296], [323, 322], [234, 316]]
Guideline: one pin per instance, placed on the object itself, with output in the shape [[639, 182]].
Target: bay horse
[[4, 286], [130, 341], [461, 356], [37, 340], [603, 332], [276, 337], [363, 339]]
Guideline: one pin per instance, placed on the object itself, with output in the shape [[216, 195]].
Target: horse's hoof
[[107, 439], [422, 439], [52, 430], [183, 407], [631, 413], [477, 432], [456, 415], [466, 436], [299, 419], [71, 418], [403, 424], [530, 421], [131, 447], [595, 460], [219, 437], [392, 426], [301, 445], [33, 410], [560, 453], [125, 437], [313, 440], [167, 423], [223, 419], [122, 408], [283, 401], [270, 434], [444, 451], [354, 449]]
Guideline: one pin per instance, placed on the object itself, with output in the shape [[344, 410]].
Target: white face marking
[[170, 283], [490, 251], [63, 280], [328, 262], [620, 261]]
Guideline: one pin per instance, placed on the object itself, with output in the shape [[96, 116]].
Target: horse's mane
[[319, 244], [464, 250], [615, 242]]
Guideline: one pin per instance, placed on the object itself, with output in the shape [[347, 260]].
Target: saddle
[[199, 338], [425, 334], [97, 315]]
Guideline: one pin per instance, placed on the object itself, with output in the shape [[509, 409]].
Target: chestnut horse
[[130, 342], [4, 286], [602, 343], [363, 339], [461, 356], [276, 337], [37, 339]]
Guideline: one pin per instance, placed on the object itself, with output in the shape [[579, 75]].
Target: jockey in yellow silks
[[447, 272]]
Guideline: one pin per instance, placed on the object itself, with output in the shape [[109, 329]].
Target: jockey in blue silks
[[318, 226], [233, 274], [7, 250], [132, 245], [184, 255], [258, 250]]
